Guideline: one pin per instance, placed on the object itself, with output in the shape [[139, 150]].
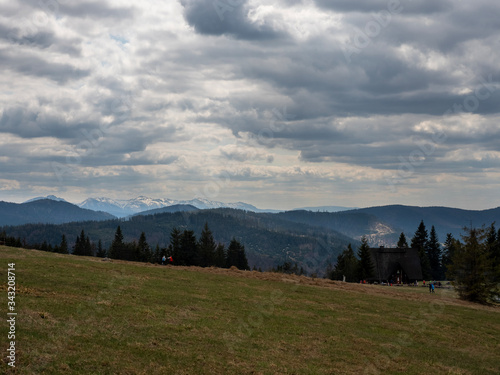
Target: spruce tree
[[174, 248], [493, 250], [236, 255], [189, 248], [101, 253], [220, 256], [402, 243], [117, 249], [76, 246], [346, 266], [207, 247], [448, 253], [80, 244], [87, 247], [157, 254], [433, 250], [419, 242], [63, 247], [242, 258], [143, 251], [471, 269], [365, 265]]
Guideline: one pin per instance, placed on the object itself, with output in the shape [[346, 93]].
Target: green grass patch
[[81, 315]]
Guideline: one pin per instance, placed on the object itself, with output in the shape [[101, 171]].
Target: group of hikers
[[432, 286], [164, 260]]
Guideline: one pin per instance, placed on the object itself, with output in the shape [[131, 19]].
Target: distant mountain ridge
[[128, 207], [382, 224], [50, 197], [311, 238], [268, 239], [445, 219], [47, 211], [326, 208]]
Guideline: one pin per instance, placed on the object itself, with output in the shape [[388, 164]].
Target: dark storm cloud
[[218, 18], [35, 123]]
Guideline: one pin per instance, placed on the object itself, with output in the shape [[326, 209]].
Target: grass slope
[[87, 316]]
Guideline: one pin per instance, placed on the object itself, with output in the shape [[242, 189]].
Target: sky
[[277, 103]]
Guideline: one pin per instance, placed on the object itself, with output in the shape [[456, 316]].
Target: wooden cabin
[[396, 265]]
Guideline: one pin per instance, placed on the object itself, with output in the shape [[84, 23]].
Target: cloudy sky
[[278, 103]]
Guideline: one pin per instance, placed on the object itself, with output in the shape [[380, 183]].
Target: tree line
[[472, 265], [184, 248], [350, 268], [10, 240]]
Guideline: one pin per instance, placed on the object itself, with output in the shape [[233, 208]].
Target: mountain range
[[269, 237], [128, 207]]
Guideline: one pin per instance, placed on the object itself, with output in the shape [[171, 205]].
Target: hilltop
[[47, 211], [81, 315]]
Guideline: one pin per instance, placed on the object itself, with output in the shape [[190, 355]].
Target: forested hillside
[[268, 240], [445, 219]]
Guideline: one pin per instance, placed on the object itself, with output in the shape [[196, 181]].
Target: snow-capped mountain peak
[[127, 207]]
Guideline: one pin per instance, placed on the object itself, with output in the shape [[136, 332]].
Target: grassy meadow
[[79, 315]]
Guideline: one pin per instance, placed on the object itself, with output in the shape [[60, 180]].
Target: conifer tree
[[157, 254], [365, 265], [118, 248], [143, 251], [448, 253], [63, 247], [220, 256], [402, 243], [236, 256], [174, 248], [493, 250], [189, 249], [471, 268], [207, 247], [347, 265], [433, 250], [77, 246], [242, 258], [81, 244], [87, 247], [419, 241], [101, 253]]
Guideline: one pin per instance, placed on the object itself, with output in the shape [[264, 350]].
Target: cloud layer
[[279, 103]]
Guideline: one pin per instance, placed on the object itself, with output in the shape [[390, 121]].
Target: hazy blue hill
[[169, 209], [46, 211], [445, 219], [350, 223], [325, 208]]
